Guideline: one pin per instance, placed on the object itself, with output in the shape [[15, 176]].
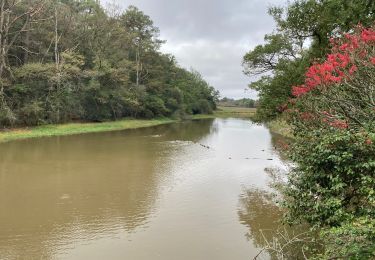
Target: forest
[[72, 60], [316, 72]]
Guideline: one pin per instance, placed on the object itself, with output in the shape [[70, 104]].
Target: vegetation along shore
[[128, 123]]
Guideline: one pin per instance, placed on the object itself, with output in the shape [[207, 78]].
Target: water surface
[[190, 190]]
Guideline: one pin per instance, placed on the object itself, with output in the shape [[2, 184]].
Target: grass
[[78, 128], [81, 128], [279, 126], [226, 112]]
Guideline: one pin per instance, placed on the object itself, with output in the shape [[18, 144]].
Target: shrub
[[333, 116]]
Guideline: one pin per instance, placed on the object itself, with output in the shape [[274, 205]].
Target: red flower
[[339, 64], [344, 47], [298, 91], [352, 69], [368, 36], [341, 124], [363, 54]]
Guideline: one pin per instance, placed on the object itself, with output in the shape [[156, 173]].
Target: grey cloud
[[211, 36]]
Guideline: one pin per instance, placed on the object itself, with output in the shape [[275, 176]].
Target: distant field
[[236, 109], [224, 112]]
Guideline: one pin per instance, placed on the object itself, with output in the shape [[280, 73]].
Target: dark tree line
[[243, 102], [63, 60]]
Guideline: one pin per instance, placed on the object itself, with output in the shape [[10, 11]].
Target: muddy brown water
[[191, 190]]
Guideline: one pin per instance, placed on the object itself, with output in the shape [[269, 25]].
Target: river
[[189, 190]]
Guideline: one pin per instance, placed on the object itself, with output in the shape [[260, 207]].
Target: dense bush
[[333, 116], [304, 28]]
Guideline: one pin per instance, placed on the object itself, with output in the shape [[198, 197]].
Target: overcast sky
[[211, 36]]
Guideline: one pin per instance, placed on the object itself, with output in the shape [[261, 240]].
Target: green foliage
[[81, 62], [351, 240], [244, 102], [304, 28], [275, 91], [46, 94], [334, 178], [332, 184], [265, 58]]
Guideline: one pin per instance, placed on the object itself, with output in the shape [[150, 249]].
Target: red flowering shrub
[[333, 116], [342, 84], [342, 62]]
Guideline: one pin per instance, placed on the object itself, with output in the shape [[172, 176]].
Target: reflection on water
[[263, 217], [260, 214], [167, 192]]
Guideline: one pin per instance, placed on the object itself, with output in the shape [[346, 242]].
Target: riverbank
[[78, 128], [81, 128], [280, 127]]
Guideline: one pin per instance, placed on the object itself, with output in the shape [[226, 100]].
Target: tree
[[15, 19], [63, 60], [304, 28], [143, 37], [332, 185]]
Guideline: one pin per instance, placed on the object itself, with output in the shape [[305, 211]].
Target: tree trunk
[[27, 41], [137, 58], [57, 61], [2, 47]]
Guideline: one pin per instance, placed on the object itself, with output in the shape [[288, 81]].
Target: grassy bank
[[279, 126], [78, 128]]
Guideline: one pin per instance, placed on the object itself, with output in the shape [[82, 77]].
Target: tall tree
[[143, 36], [304, 28]]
